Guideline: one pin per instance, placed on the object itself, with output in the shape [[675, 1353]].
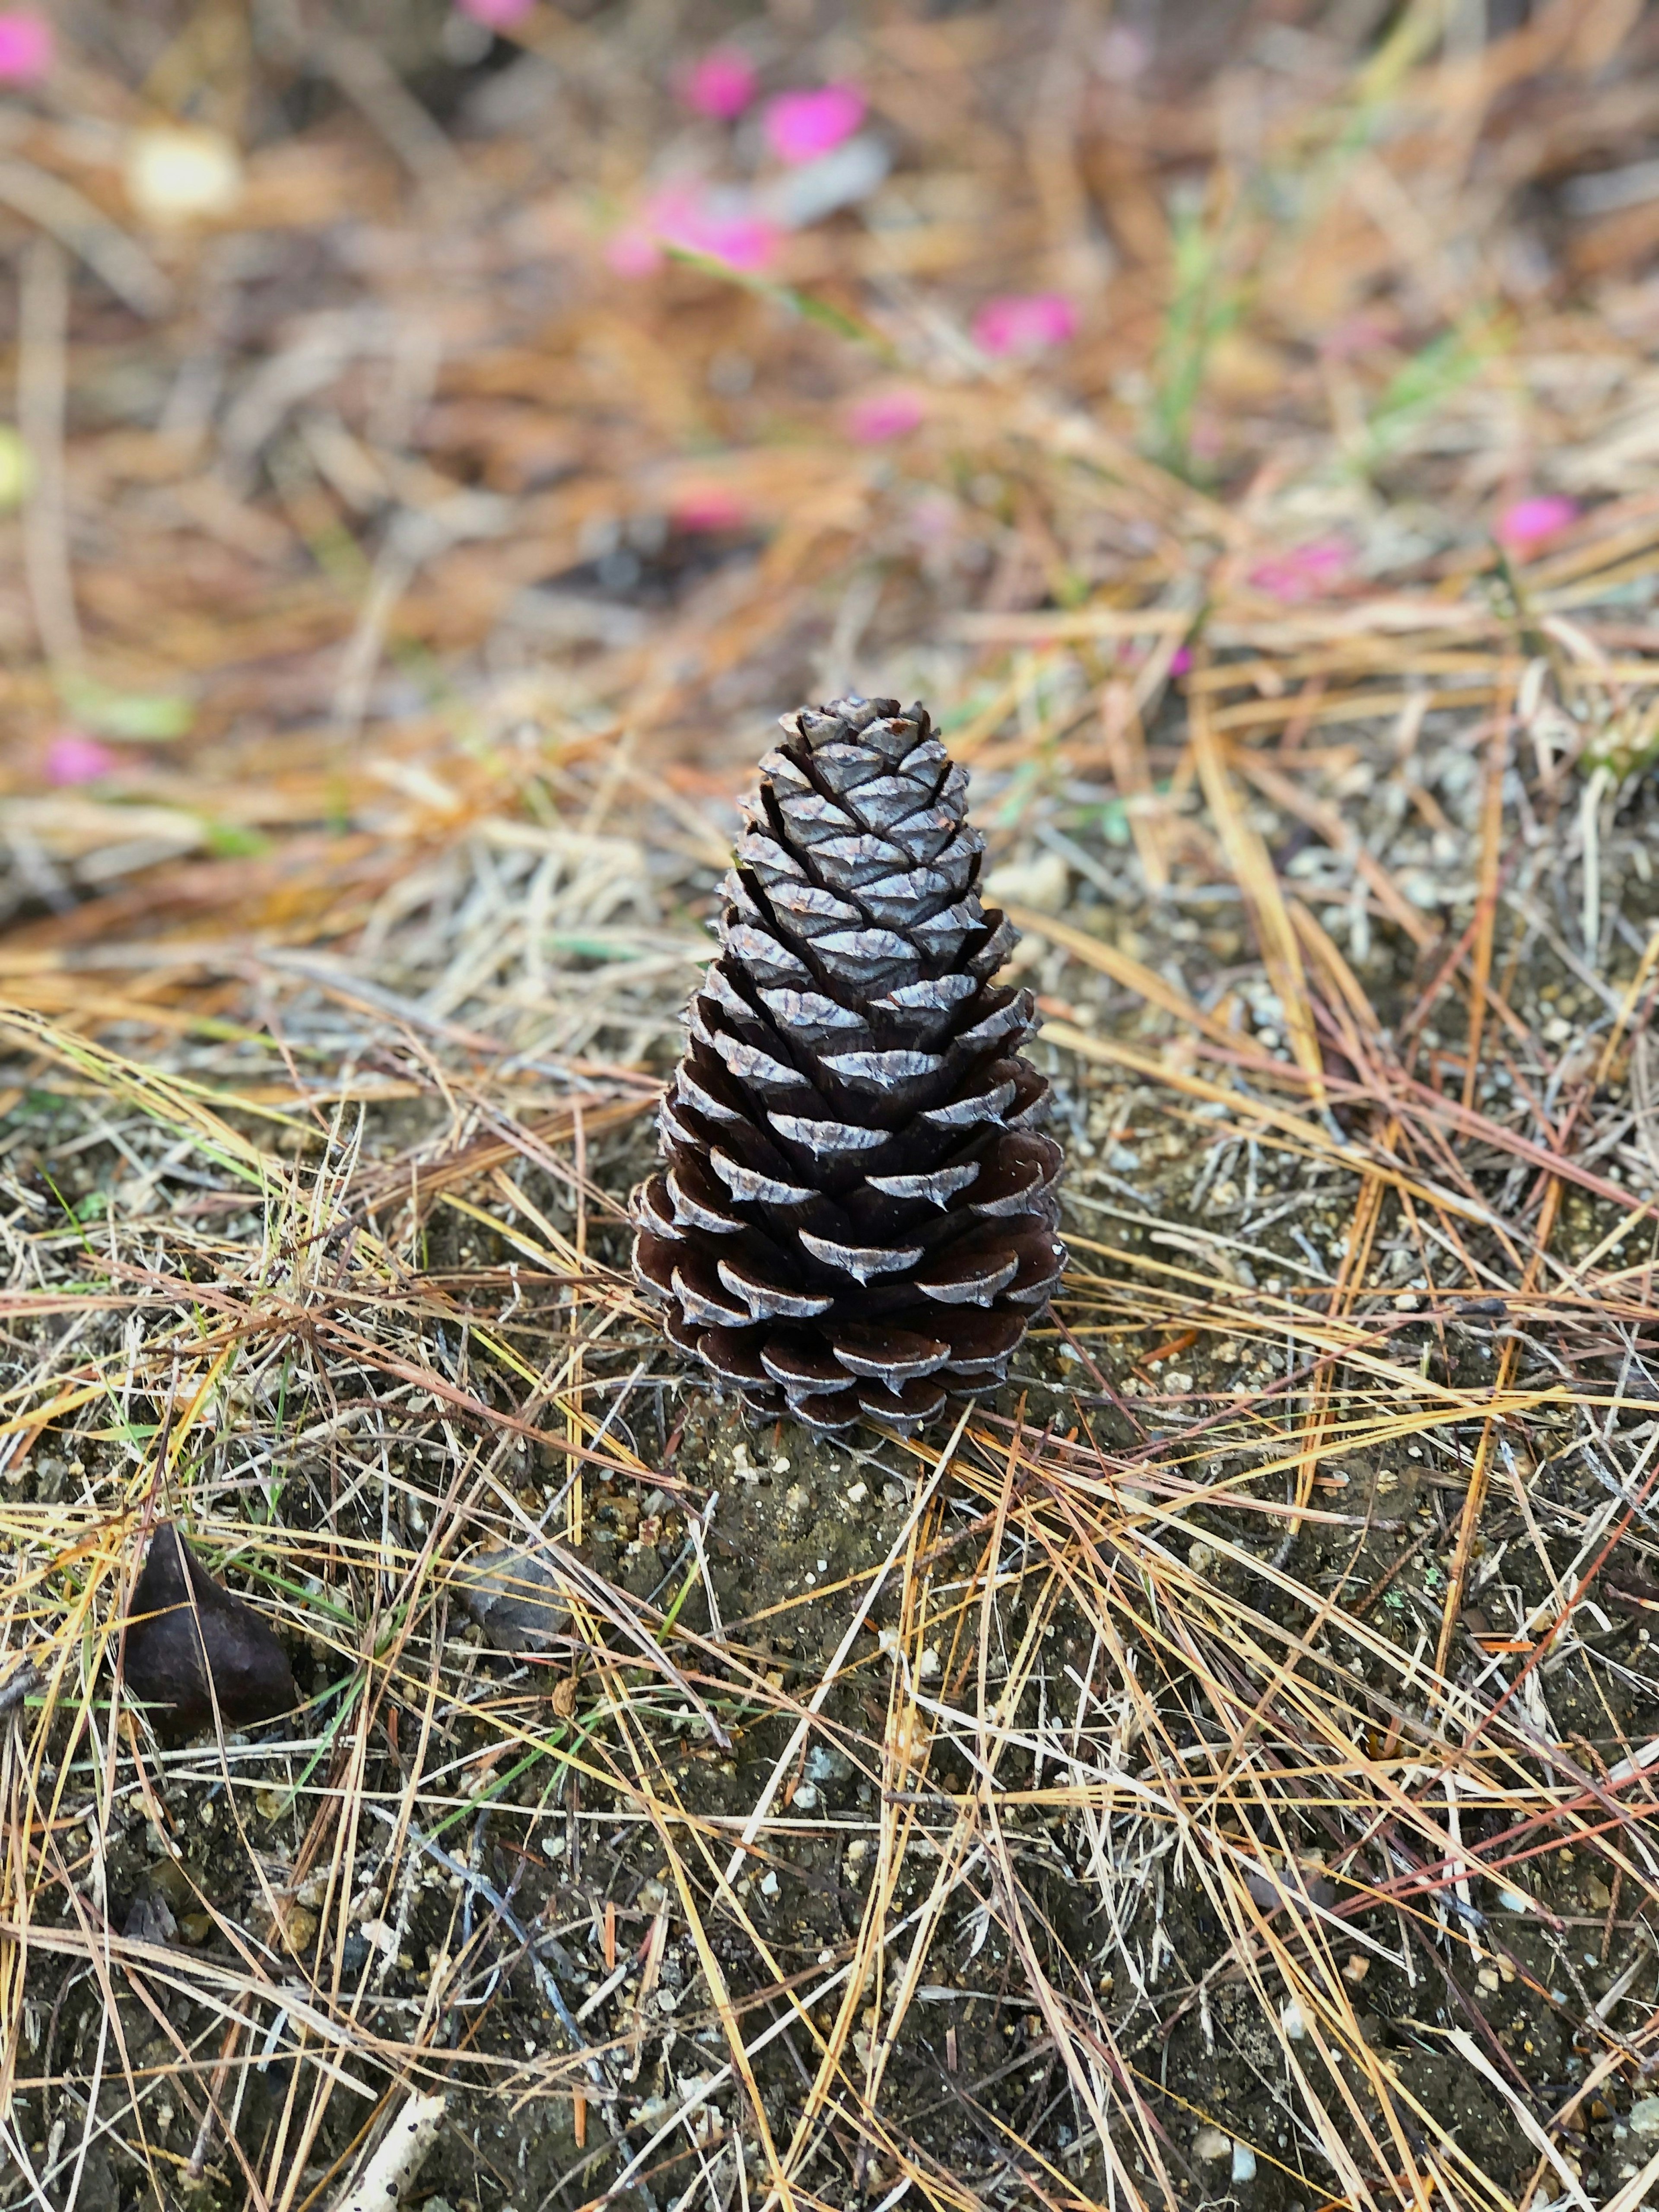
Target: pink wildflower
[[1354, 336], [720, 85], [705, 507], [1524, 527], [1180, 660], [26, 46], [497, 15], [934, 518], [73, 759], [721, 226], [1124, 53], [880, 415], [1305, 572], [1024, 322], [633, 251], [801, 125]]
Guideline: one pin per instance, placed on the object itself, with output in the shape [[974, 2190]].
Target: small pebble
[[858, 1493], [1645, 2117], [1210, 2144], [1243, 2162]]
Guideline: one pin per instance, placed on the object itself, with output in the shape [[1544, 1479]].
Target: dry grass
[[1224, 1763]]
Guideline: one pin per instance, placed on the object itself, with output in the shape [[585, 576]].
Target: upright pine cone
[[857, 1214]]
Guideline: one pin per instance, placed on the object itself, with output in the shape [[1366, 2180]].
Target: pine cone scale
[[856, 1216]]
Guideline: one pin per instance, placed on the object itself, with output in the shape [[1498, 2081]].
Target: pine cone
[[857, 1215]]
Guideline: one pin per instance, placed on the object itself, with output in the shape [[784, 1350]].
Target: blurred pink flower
[[497, 15], [725, 228], [633, 251], [801, 125], [1180, 660], [1208, 440], [1531, 521], [1123, 53], [73, 759], [1305, 572], [935, 519], [1353, 336], [1024, 322], [722, 226], [720, 85], [708, 507], [26, 46], [879, 415]]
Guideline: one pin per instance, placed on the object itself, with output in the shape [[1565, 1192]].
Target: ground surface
[[1219, 1769]]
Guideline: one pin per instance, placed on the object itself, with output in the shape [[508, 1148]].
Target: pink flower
[[1180, 660], [26, 47], [720, 85], [703, 508], [1124, 53], [801, 125], [882, 415], [935, 519], [497, 15], [73, 759], [721, 226], [1529, 522], [1305, 572], [633, 251], [1024, 322], [1354, 336]]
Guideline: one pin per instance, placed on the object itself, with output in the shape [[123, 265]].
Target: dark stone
[[184, 1627]]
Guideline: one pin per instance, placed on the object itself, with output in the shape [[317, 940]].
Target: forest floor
[[1221, 1767]]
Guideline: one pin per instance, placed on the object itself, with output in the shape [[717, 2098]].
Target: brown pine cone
[[857, 1213]]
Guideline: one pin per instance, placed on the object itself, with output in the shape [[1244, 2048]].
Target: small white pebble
[[1243, 2162], [1210, 2144], [769, 1886], [858, 1493], [1293, 2022], [928, 1665]]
